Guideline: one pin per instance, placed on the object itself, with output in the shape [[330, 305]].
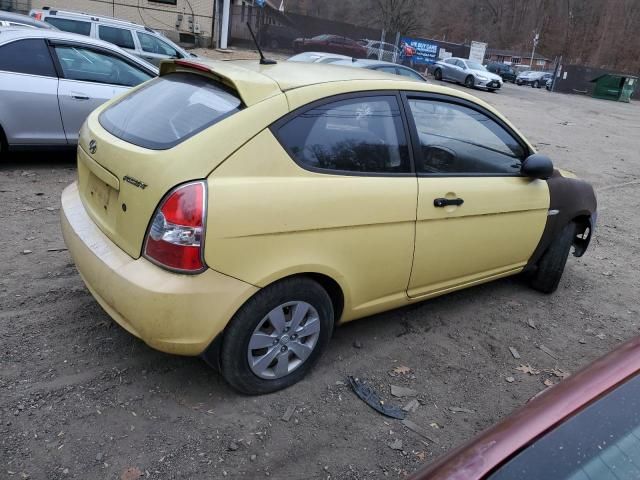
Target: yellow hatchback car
[[239, 211]]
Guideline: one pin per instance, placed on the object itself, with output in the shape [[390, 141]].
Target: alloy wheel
[[283, 340]]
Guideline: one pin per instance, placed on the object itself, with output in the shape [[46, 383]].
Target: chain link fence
[[292, 33]]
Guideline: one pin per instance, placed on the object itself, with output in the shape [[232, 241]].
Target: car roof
[[364, 63], [318, 55], [8, 34], [25, 19], [491, 448], [70, 14], [255, 82]]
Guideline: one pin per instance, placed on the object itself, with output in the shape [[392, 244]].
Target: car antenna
[[263, 60]]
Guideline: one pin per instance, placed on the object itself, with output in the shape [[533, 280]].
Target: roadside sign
[[477, 51], [425, 51]]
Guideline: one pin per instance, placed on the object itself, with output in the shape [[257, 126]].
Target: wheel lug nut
[[283, 349], [275, 341]]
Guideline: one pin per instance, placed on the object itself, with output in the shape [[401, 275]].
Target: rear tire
[[253, 324], [437, 74], [4, 146], [536, 84], [469, 82], [551, 265]]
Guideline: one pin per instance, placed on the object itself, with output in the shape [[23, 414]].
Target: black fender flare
[[570, 200]]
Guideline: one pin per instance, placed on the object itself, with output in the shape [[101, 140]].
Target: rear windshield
[[168, 110]]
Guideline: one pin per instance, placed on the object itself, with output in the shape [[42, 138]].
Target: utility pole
[[224, 32], [536, 38]]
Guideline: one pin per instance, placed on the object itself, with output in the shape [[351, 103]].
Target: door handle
[[445, 202], [79, 96]]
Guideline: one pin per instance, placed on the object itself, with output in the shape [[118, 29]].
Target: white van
[[136, 39]]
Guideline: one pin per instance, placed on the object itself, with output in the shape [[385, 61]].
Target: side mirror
[[537, 166]]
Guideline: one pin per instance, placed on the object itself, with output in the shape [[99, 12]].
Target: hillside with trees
[[600, 33]]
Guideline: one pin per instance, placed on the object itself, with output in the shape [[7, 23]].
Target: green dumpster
[[617, 87]]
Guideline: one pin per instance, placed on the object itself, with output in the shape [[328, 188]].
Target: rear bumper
[[179, 314]]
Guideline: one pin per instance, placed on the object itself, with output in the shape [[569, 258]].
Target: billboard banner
[[418, 51], [477, 51]]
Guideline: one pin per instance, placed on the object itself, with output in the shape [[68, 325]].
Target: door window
[[118, 36], [30, 56], [81, 63], [455, 139], [73, 26], [151, 44], [363, 135], [600, 442]]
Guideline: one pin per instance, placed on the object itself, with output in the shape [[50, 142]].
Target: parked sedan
[[317, 57], [51, 80], [533, 78], [169, 226], [506, 72], [380, 66], [468, 72], [330, 44], [586, 427]]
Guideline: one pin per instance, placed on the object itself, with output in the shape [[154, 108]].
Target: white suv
[[136, 39], [388, 52]]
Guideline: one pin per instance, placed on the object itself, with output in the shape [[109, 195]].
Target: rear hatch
[[173, 129]]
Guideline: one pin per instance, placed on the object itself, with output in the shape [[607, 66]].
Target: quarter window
[[363, 135], [391, 70], [117, 36], [151, 44], [73, 26], [79, 63], [405, 72], [29, 56], [455, 139]]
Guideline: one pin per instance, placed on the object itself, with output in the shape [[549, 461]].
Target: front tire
[[275, 338], [437, 74], [469, 82], [551, 265]]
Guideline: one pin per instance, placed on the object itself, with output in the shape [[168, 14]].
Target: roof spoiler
[[252, 87]]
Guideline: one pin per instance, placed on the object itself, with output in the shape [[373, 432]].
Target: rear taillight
[[175, 239]]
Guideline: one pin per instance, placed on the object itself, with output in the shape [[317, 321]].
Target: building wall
[[523, 61], [156, 15]]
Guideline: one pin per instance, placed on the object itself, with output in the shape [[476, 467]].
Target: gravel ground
[[81, 398]]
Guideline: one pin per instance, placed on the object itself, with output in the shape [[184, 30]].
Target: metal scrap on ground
[[371, 398]]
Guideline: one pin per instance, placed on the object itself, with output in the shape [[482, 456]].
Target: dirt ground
[[81, 398]]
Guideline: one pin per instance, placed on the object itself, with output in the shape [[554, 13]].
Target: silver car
[[468, 72], [317, 57], [381, 66], [136, 39], [10, 19], [50, 81]]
